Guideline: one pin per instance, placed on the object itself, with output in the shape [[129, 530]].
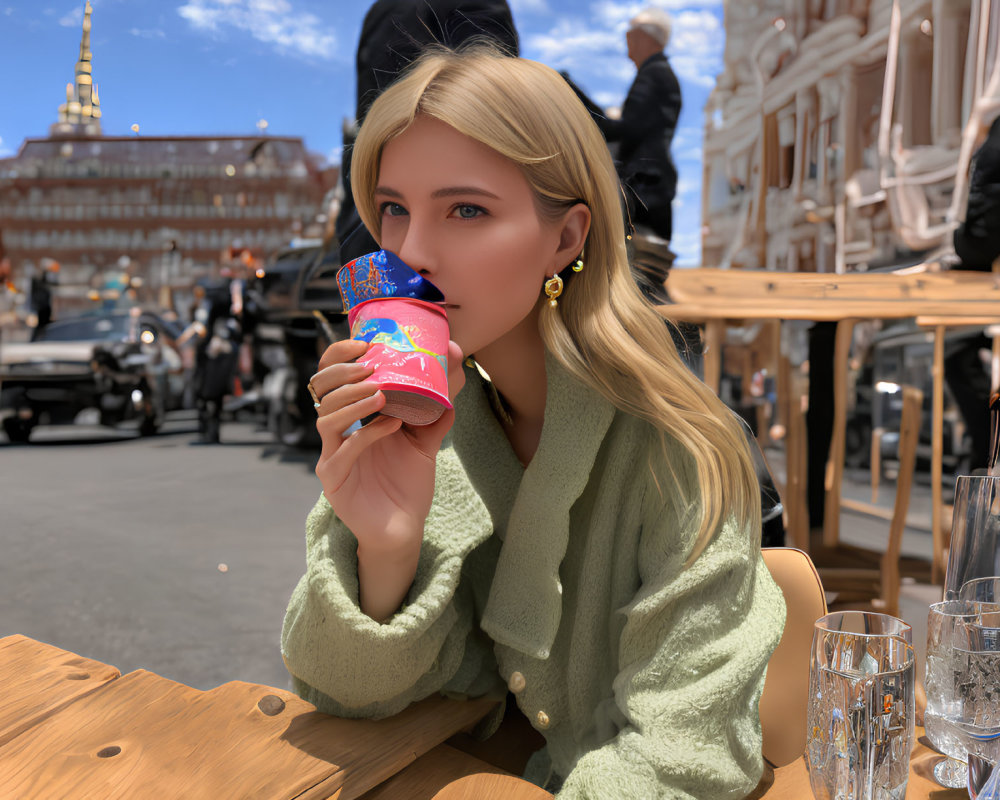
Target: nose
[[415, 247]]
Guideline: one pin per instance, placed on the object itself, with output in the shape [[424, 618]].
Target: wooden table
[[792, 782], [936, 299], [72, 727]]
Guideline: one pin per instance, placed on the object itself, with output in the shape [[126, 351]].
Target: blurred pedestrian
[[218, 333], [977, 239], [640, 137], [41, 293], [977, 243], [393, 35], [645, 129]]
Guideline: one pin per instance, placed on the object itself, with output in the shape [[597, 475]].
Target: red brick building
[[161, 208]]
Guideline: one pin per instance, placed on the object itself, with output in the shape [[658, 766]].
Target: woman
[[588, 532]]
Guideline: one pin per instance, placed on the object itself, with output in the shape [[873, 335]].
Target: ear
[[574, 227]]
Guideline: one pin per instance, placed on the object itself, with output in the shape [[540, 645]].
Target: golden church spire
[[81, 113]]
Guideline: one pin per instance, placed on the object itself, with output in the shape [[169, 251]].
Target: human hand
[[379, 479]]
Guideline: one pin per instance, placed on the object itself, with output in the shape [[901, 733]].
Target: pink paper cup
[[409, 353]]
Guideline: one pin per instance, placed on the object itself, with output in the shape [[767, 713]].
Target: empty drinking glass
[[861, 708]]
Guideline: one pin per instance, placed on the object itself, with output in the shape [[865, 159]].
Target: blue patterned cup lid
[[383, 274]]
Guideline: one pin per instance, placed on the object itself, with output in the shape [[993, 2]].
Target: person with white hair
[[646, 126]]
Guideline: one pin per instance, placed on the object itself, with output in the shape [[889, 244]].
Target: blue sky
[[218, 66]]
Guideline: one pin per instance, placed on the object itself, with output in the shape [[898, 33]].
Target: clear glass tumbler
[[962, 682], [860, 724], [868, 623]]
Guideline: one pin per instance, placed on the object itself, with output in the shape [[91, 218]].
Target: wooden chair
[[864, 578], [786, 689]]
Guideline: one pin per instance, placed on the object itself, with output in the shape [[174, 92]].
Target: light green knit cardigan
[[643, 675]]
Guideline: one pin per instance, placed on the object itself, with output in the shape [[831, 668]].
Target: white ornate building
[[839, 135]]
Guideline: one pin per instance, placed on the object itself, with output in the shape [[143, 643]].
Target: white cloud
[[696, 47], [613, 12], [148, 33], [608, 99], [573, 43], [594, 43], [686, 145], [610, 14], [687, 244], [687, 186], [273, 22], [72, 19], [686, 136], [4, 150]]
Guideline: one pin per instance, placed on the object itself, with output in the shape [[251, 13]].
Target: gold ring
[[312, 392]]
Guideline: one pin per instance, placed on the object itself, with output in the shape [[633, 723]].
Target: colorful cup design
[[380, 275], [387, 305]]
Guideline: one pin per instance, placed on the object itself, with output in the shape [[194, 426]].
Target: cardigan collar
[[530, 506]]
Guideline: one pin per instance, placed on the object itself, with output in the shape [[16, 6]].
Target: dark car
[[110, 367]]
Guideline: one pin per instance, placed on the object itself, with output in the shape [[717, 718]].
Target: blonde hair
[[603, 331]]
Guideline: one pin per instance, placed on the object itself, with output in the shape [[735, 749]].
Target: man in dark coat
[[977, 240], [646, 126], [392, 36], [977, 243]]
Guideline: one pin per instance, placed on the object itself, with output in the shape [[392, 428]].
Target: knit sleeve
[[348, 664], [692, 658]]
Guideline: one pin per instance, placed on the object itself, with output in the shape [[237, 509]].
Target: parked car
[[108, 367]]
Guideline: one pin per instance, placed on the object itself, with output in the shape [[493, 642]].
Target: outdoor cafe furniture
[[936, 299], [72, 727]]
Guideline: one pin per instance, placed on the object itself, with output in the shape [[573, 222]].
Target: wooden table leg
[[937, 448], [799, 486], [714, 334], [783, 390], [793, 495], [835, 460]]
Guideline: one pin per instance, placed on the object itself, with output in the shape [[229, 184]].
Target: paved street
[[111, 547]]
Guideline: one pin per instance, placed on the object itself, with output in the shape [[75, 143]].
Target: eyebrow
[[449, 191]]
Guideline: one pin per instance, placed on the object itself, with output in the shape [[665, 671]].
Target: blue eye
[[392, 209], [469, 211]]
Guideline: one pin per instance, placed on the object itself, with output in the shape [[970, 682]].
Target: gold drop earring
[[578, 264], [553, 288]]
